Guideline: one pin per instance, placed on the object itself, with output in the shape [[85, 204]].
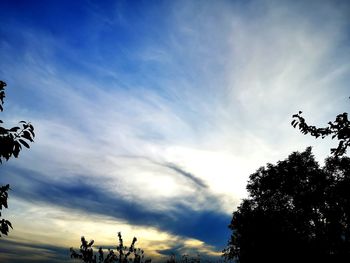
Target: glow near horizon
[[213, 95]]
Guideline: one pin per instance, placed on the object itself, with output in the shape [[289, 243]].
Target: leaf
[[14, 129], [16, 150], [9, 223], [24, 143], [27, 136], [32, 133]]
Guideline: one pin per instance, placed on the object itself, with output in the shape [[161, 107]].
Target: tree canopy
[[296, 211]]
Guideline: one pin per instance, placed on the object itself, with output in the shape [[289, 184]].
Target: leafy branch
[[339, 129], [12, 140]]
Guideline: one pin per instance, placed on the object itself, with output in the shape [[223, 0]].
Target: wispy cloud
[[160, 124]]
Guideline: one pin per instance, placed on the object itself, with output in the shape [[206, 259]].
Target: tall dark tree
[[296, 211], [11, 142]]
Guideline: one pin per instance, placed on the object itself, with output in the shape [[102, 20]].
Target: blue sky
[[151, 115]]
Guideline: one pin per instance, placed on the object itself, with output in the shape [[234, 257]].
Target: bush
[[124, 254]]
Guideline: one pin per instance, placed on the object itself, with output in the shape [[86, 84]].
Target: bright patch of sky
[[150, 116]]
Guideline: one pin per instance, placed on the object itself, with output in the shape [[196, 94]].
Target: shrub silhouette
[[11, 142], [124, 254]]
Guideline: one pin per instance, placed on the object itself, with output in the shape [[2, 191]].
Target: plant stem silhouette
[[124, 254]]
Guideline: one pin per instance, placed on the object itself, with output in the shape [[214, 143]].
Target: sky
[[151, 115]]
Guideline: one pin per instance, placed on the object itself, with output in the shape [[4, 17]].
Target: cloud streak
[[188, 175]]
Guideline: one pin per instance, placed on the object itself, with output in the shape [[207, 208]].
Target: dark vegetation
[[11, 142], [297, 211], [123, 253], [339, 129]]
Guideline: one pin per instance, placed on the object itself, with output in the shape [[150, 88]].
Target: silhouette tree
[[124, 254], [11, 142], [340, 129], [296, 211]]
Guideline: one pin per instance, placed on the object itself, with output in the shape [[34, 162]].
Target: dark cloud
[[19, 252], [206, 225], [186, 174]]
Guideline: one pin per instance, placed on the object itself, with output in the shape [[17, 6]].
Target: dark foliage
[[11, 142], [296, 212], [339, 129], [5, 224], [124, 254]]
